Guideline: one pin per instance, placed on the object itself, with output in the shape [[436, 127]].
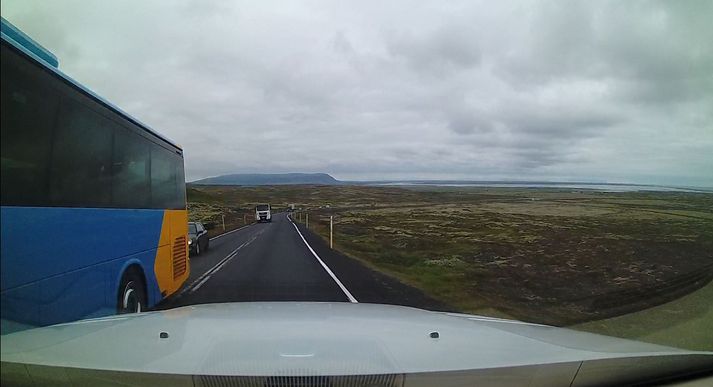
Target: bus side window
[[81, 157], [163, 178], [181, 180], [131, 183], [29, 109]]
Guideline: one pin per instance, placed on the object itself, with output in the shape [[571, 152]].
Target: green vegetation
[[552, 256]]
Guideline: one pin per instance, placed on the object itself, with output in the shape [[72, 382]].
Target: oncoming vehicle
[[93, 215], [263, 213], [198, 240]]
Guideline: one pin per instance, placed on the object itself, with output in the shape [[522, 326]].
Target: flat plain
[[553, 256]]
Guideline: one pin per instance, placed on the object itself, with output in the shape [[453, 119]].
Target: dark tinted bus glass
[[131, 183], [29, 109], [81, 157], [181, 186], [164, 178], [63, 148]]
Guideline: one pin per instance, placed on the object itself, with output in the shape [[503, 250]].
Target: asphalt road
[[281, 261]]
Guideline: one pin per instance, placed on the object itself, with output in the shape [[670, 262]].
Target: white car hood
[[289, 338]]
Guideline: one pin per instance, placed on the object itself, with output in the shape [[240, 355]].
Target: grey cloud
[[342, 43], [468, 122], [440, 51], [654, 51], [560, 121], [550, 90]]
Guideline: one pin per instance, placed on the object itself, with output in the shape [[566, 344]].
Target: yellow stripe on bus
[[173, 239]]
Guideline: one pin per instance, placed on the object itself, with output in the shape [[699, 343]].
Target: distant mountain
[[269, 179]]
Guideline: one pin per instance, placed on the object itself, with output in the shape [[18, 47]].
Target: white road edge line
[[324, 265]]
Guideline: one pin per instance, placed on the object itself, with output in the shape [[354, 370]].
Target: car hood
[[278, 338]]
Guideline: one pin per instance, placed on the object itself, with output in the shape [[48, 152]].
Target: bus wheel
[[132, 297]]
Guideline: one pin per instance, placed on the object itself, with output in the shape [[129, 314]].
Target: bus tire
[[132, 293]]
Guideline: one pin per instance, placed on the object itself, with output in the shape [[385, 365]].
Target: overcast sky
[[616, 91]]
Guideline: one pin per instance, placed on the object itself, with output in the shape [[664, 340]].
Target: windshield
[[542, 162]]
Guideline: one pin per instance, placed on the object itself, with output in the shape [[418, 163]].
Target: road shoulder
[[368, 285]]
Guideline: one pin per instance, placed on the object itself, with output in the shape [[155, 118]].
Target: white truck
[[262, 213]]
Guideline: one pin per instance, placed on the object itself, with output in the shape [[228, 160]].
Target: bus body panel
[[38, 289], [20, 308], [33, 236]]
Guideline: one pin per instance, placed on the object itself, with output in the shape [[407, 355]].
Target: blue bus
[[93, 205]]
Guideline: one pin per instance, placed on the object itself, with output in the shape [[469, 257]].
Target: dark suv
[[198, 240]]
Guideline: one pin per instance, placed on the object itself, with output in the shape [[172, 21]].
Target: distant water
[[583, 186]]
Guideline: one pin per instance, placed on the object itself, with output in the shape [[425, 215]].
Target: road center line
[[200, 284], [220, 264], [201, 280], [215, 268], [324, 265], [195, 285], [230, 232]]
